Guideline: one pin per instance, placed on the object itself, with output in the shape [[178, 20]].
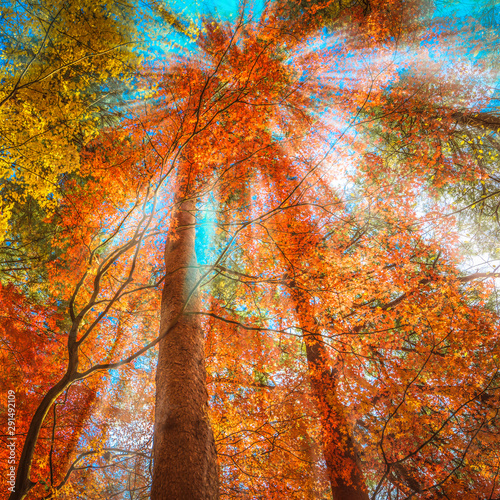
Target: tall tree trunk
[[185, 462], [342, 462]]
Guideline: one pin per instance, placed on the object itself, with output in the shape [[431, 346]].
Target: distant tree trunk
[[484, 120], [342, 462], [185, 462]]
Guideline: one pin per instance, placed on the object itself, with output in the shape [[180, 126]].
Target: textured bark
[[344, 468], [185, 462]]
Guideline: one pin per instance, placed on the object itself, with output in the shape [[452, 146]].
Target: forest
[[250, 249]]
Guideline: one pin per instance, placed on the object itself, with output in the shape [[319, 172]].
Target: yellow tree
[[63, 66]]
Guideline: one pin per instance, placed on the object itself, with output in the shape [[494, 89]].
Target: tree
[[56, 60], [240, 134]]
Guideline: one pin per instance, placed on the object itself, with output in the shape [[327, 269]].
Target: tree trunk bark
[[342, 462], [185, 461]]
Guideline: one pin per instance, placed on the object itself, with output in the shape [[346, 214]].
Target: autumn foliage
[[247, 281]]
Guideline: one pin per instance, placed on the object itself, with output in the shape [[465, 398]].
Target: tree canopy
[[249, 252]]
